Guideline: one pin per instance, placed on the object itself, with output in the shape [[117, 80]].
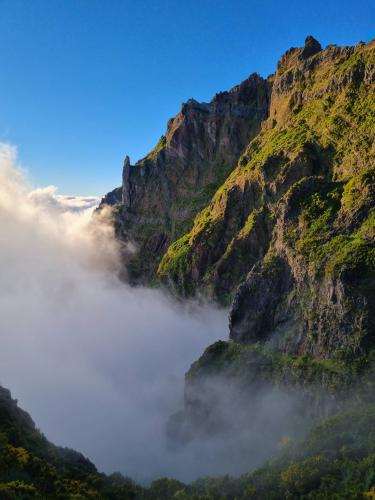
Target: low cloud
[[99, 365], [49, 198]]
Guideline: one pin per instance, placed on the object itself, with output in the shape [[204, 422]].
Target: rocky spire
[[293, 55], [126, 182], [312, 46]]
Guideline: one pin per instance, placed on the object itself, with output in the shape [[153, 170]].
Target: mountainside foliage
[[336, 460], [31, 467], [321, 123]]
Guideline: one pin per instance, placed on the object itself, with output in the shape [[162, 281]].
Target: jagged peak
[[295, 54], [127, 162], [125, 182], [250, 82], [194, 104], [312, 47]]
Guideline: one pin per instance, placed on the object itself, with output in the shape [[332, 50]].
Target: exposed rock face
[[311, 47], [293, 227], [161, 194], [125, 198], [314, 292], [294, 56], [318, 105], [284, 209]]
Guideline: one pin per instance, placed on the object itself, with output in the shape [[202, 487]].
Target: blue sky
[[84, 82]]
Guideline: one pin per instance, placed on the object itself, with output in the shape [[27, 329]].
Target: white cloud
[[49, 198], [99, 365]]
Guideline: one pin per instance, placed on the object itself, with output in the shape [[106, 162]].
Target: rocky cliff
[[289, 234], [161, 194], [313, 117], [320, 125], [292, 231]]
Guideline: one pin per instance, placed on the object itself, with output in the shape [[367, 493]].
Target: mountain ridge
[[162, 192], [265, 172]]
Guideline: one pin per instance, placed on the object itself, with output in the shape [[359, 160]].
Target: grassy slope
[[32, 467], [336, 460], [331, 125]]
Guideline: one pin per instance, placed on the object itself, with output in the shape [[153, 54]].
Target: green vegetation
[[159, 147], [260, 362], [321, 233], [335, 461], [175, 260], [329, 133], [31, 467]]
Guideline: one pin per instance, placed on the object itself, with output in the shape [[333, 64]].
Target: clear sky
[[84, 82]]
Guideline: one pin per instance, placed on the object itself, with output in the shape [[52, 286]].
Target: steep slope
[[321, 123], [32, 467], [161, 194], [335, 460], [294, 225], [314, 292]]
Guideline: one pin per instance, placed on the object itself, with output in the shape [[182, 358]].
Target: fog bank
[[98, 365]]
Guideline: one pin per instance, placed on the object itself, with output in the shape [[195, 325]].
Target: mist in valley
[[100, 365]]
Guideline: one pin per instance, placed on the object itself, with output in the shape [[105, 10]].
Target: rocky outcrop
[[314, 292], [125, 198], [279, 234], [162, 193], [289, 234], [302, 321]]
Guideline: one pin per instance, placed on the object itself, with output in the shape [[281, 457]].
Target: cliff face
[[320, 124], [289, 234], [313, 293], [162, 193]]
